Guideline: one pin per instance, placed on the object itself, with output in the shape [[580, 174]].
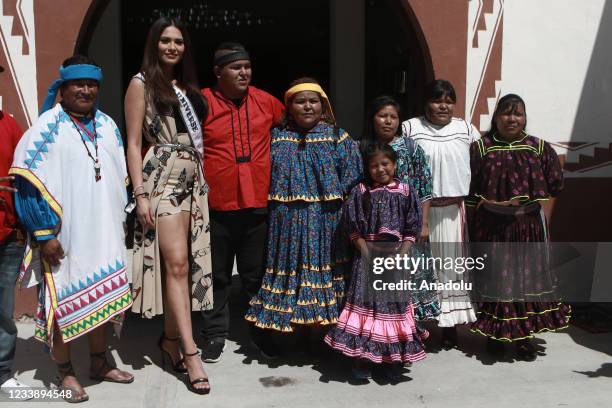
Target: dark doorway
[[286, 40], [394, 57]]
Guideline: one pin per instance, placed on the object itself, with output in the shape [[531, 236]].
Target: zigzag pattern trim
[[97, 318], [40, 146], [308, 199], [118, 136], [95, 297], [91, 280], [315, 139]]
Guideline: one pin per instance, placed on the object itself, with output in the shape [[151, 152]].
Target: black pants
[[241, 234]]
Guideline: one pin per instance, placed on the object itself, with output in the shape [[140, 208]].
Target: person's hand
[[143, 212], [425, 233], [365, 252], [7, 179], [52, 251]]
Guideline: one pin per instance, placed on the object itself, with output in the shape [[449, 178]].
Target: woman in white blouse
[[446, 141]]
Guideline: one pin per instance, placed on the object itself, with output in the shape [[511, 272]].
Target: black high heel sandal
[[201, 380], [71, 395], [179, 366]]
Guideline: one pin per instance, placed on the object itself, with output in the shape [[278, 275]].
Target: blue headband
[[69, 73]]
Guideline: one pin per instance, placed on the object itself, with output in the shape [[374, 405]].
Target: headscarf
[[69, 73], [310, 86]]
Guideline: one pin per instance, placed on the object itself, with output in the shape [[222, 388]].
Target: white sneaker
[[12, 385]]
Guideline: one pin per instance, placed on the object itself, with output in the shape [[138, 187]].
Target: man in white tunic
[[70, 173]]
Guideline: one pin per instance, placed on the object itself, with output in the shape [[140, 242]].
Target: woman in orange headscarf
[[314, 166]]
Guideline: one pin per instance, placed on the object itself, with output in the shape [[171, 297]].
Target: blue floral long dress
[[413, 169], [312, 173]]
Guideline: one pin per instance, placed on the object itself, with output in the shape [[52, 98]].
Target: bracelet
[[141, 194], [134, 195], [137, 187]]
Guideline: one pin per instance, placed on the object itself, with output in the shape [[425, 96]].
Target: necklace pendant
[[97, 170]]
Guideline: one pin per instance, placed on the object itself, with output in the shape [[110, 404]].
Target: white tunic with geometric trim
[[90, 286]]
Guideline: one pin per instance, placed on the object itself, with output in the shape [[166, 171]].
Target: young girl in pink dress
[[378, 327]]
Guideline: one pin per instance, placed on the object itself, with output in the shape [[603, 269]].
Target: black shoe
[[525, 350], [263, 342], [212, 350], [393, 372], [177, 366], [449, 338], [495, 347]]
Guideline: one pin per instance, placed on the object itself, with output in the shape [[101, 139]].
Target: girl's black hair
[[377, 104], [372, 149], [439, 88], [507, 103]]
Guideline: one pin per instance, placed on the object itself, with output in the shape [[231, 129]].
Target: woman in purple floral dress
[[513, 175]]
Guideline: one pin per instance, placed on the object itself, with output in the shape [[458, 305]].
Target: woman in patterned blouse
[[513, 174]]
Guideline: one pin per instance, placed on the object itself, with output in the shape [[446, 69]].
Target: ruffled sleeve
[[475, 157], [551, 167], [411, 207], [350, 165], [353, 213], [422, 173], [35, 214]]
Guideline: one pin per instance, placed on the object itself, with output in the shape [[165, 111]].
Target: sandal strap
[[65, 369], [164, 337], [199, 380], [101, 355], [171, 338]]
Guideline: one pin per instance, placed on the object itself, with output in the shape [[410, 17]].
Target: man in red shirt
[[11, 251], [237, 169]]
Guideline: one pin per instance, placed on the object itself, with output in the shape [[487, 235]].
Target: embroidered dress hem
[[508, 322], [378, 337], [461, 313], [307, 296]]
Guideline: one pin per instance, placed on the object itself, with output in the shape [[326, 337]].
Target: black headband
[[231, 57]]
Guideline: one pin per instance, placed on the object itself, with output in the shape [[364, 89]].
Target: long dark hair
[[156, 84], [369, 137], [506, 103], [325, 116]]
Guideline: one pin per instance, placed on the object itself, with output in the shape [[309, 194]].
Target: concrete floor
[[575, 371]]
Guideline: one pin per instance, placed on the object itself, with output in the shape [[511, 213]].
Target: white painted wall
[[22, 66], [555, 57]]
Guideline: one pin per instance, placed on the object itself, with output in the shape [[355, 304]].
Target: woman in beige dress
[[171, 258]]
